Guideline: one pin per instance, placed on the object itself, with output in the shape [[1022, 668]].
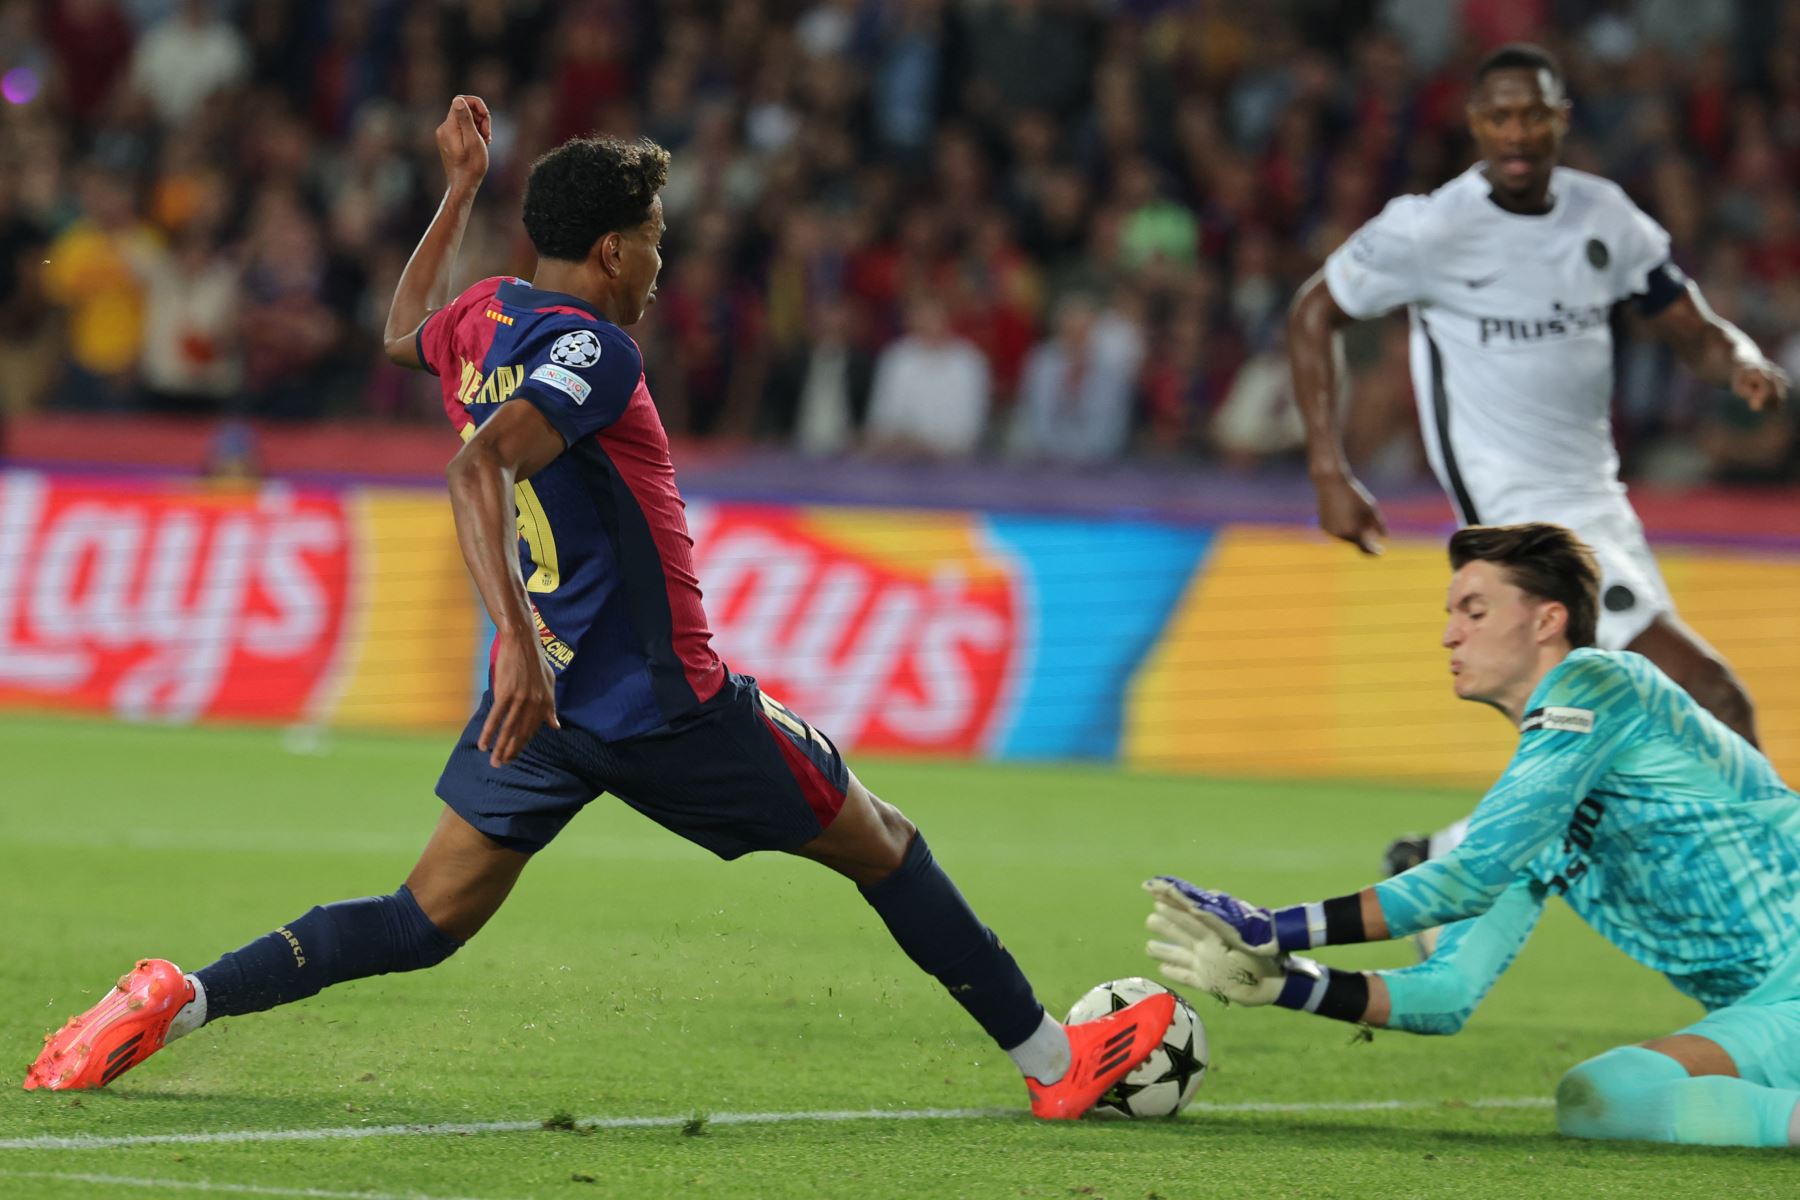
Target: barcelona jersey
[[603, 538]]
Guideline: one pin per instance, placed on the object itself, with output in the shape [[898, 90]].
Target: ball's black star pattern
[[1118, 1097], [1184, 1064]]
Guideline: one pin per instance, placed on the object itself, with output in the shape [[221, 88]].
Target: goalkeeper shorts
[[1762, 1039]]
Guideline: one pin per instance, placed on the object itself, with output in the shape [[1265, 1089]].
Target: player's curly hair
[[1542, 560], [589, 187]]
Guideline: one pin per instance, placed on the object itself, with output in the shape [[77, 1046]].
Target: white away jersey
[[1512, 349]]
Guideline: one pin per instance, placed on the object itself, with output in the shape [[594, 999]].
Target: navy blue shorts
[[739, 773]]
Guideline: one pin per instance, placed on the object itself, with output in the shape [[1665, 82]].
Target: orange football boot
[[128, 1025], [1102, 1052]]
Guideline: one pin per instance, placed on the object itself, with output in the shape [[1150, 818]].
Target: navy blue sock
[[937, 929], [351, 939]]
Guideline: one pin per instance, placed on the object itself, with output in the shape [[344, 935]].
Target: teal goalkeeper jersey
[[1665, 831]]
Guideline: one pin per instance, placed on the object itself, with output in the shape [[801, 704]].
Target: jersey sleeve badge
[[578, 348], [1558, 719], [564, 381]]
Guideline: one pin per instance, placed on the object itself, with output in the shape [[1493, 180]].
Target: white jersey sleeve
[[1641, 246], [1378, 269]]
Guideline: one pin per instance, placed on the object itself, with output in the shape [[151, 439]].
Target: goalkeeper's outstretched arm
[[1435, 997], [1528, 810]]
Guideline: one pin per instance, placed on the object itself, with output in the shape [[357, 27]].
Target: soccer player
[[1666, 832], [1510, 274], [602, 678]]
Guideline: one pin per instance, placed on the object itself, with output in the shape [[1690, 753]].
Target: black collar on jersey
[[520, 294]]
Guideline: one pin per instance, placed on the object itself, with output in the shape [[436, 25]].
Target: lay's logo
[[887, 631], [168, 604]]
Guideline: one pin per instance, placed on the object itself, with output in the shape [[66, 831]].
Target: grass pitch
[[632, 975]]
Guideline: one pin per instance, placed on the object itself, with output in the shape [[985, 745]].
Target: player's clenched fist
[[462, 141], [1761, 385]]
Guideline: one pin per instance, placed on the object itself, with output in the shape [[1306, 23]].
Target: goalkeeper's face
[[1494, 635]]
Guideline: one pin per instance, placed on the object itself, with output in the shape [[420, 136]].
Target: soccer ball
[[1162, 1084]]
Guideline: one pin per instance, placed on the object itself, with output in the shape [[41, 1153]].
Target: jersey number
[[534, 527], [534, 531]]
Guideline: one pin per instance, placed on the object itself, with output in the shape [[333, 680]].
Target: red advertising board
[[888, 631], [170, 602]]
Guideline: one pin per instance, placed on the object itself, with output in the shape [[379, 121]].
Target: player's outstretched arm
[[1257, 930], [1719, 352], [1190, 953], [1438, 995], [513, 444], [1433, 997], [424, 285], [1346, 510]]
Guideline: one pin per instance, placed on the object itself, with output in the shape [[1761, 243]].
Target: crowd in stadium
[[1045, 229]]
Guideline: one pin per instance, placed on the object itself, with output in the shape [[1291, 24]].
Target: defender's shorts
[[739, 773], [1632, 591]]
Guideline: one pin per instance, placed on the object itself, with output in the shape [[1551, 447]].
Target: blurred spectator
[[1259, 419], [912, 70], [831, 158], [817, 395], [931, 391], [187, 57], [1075, 404], [287, 326], [28, 346], [191, 361], [1174, 386], [93, 42], [95, 272], [713, 363], [1024, 55]]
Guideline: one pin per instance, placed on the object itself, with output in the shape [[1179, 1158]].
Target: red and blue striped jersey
[[603, 537]]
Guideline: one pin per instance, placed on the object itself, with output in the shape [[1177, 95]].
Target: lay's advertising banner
[[1232, 650], [947, 633], [183, 602]]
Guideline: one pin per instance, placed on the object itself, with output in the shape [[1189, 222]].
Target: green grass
[[632, 974]]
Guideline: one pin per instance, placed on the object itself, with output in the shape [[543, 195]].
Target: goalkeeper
[[1665, 831]]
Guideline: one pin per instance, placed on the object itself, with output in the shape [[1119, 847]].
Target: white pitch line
[[206, 1185], [82, 1141]]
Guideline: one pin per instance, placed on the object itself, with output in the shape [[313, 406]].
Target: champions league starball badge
[[578, 349]]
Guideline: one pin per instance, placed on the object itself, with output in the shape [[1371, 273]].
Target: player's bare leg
[[866, 842], [1682, 1088], [460, 881], [463, 876], [1702, 671], [1067, 1069]]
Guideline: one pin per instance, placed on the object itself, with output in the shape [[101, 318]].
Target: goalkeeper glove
[[1239, 925], [1190, 953]]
